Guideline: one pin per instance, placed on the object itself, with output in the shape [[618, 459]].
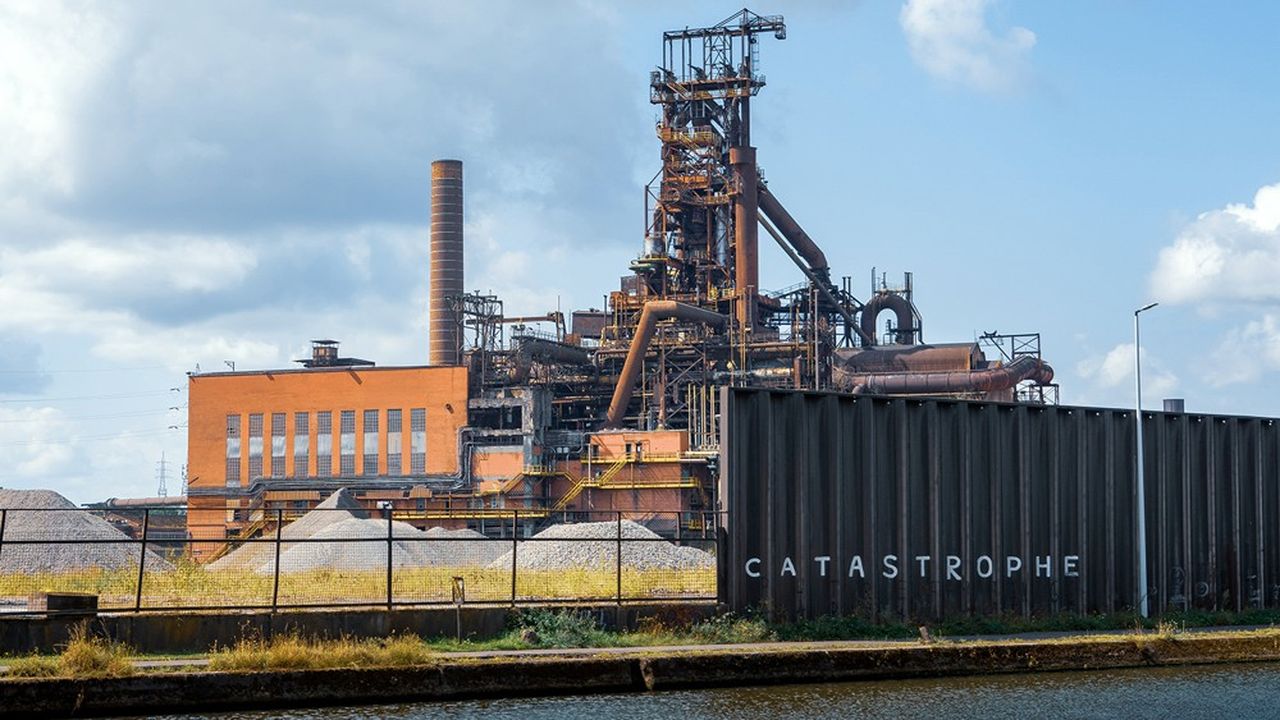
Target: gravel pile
[[356, 535], [593, 546], [24, 521], [361, 544], [338, 507]]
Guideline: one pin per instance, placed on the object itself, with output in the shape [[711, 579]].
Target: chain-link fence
[[336, 557]]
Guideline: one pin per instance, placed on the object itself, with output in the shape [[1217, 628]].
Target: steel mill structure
[[613, 409]]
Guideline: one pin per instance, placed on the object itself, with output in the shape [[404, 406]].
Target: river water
[[1233, 691]]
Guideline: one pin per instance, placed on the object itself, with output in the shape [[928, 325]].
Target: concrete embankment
[[641, 671], [174, 633]]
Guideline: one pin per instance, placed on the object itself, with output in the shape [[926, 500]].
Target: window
[[255, 446], [233, 450], [347, 443], [324, 443], [393, 442], [370, 465], [418, 441], [277, 445], [301, 444]]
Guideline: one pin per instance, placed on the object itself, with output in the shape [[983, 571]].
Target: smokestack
[[446, 260], [746, 232]]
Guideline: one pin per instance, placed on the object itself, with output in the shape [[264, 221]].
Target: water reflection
[[1244, 691]]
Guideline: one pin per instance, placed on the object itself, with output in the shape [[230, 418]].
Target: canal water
[[1234, 691]]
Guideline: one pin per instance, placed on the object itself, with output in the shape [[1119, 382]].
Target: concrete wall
[[198, 632]]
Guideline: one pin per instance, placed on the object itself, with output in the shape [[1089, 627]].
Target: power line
[[117, 396], [82, 370], [110, 416], [90, 438]]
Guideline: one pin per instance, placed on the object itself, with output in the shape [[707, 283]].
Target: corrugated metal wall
[[969, 485]]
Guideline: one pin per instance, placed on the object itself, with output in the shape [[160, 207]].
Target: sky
[[187, 185]]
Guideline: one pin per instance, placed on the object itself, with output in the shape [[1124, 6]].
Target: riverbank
[[526, 673]]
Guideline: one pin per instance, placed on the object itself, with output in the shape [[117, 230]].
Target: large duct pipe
[[446, 261], [988, 380], [530, 349], [820, 281], [791, 230], [746, 259], [899, 306], [654, 311]]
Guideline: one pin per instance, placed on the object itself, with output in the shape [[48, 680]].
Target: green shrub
[[563, 629]]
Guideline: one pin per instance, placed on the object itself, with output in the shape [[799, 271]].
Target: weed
[[294, 652], [88, 655], [34, 666]]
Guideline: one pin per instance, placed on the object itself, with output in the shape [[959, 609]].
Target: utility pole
[[1141, 480]]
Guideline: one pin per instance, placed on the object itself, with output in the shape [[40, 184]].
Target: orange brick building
[[286, 438]]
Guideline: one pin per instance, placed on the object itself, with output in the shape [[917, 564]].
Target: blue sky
[[186, 184]]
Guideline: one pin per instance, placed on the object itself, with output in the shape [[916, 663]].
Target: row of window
[[303, 454]]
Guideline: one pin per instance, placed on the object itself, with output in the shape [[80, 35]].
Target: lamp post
[[1142, 485]]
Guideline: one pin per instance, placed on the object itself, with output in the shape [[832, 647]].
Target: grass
[[190, 584], [84, 655], [294, 652]]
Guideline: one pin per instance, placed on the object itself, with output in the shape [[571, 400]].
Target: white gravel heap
[[338, 507], [25, 521], [593, 546], [360, 544]]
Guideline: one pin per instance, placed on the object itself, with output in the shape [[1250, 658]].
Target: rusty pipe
[[899, 306], [819, 281], [653, 312], [791, 230], [986, 380], [531, 349], [746, 254]]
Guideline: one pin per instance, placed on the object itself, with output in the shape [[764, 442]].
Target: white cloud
[[50, 54], [1111, 375], [1225, 264], [1231, 254], [951, 40], [1245, 353]]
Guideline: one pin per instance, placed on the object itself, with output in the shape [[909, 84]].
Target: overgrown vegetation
[[190, 583], [84, 655], [87, 655], [295, 652]]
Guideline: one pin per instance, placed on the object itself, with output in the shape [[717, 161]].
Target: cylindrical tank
[[446, 261]]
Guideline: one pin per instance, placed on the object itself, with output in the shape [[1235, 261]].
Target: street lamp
[[1142, 489]]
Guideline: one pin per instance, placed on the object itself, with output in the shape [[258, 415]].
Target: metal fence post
[[275, 591], [142, 558], [4, 515], [515, 546], [619, 558], [389, 548]]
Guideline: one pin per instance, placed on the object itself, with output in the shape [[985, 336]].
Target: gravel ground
[[25, 519], [593, 546]]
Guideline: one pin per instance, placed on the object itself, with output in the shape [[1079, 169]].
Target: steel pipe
[[987, 380], [653, 312], [791, 230]]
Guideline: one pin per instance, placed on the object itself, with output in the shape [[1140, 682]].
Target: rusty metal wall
[[446, 260], [809, 475]]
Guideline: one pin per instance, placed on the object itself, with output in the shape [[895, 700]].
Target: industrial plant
[[612, 409]]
